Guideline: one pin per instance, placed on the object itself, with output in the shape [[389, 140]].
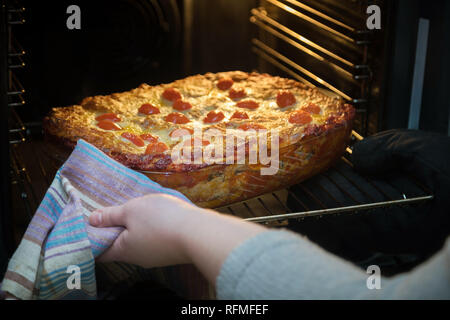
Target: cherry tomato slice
[[147, 108], [248, 126], [108, 125], [312, 108], [181, 105], [239, 115], [133, 138], [193, 141], [213, 116], [155, 148], [108, 116], [171, 94], [300, 117], [175, 117], [237, 94], [225, 83], [148, 137], [247, 104], [285, 98], [181, 132]]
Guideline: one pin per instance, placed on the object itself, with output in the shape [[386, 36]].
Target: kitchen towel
[[56, 257]]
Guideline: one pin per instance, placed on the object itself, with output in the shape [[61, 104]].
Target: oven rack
[[357, 70], [15, 61], [281, 46], [323, 195], [315, 197], [341, 64], [12, 97]]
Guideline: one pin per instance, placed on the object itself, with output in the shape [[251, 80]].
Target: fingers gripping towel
[[55, 259]]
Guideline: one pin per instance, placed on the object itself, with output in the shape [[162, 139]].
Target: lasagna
[[142, 128]]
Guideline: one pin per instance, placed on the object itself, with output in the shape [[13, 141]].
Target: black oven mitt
[[394, 164], [424, 156]]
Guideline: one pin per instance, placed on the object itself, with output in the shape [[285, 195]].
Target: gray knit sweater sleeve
[[279, 264]]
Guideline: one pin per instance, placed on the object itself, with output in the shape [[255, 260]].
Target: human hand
[[161, 230], [152, 234]]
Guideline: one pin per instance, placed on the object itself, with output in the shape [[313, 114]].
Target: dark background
[[122, 44], [400, 60]]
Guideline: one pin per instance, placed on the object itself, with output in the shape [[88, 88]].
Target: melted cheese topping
[[202, 93]]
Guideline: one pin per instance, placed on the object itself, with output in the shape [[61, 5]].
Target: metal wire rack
[[13, 93], [318, 45], [337, 191]]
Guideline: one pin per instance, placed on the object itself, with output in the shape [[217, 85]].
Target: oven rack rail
[[274, 57], [356, 70], [323, 20], [17, 180], [342, 64], [15, 60], [322, 212], [278, 45]]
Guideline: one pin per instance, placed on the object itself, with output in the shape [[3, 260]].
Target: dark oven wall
[[120, 45], [432, 107], [124, 43]]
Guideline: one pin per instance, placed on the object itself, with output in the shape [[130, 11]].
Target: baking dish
[[218, 185]]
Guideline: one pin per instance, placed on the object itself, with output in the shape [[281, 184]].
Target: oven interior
[[322, 43]]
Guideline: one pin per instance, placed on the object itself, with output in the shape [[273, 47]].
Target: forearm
[[283, 265], [207, 238], [247, 261]]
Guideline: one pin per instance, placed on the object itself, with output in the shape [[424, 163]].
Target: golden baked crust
[[68, 124], [305, 147]]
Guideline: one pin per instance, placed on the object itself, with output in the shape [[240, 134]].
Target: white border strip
[[419, 73]]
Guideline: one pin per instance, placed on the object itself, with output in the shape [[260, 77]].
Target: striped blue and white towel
[[60, 246]]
